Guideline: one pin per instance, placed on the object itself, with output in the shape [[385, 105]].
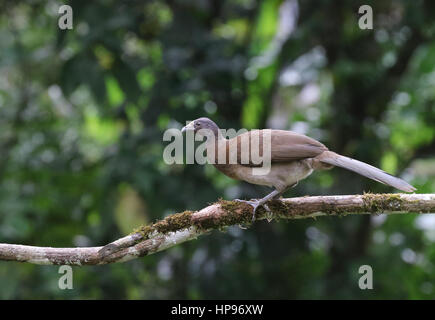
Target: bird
[[293, 157]]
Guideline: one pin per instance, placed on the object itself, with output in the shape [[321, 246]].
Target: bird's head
[[204, 127]]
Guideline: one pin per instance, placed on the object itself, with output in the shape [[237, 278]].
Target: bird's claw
[[255, 204]]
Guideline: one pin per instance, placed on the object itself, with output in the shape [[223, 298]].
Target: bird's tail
[[365, 169]]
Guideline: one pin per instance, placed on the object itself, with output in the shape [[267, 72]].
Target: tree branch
[[180, 227]]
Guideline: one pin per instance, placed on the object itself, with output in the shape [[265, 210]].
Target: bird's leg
[[260, 202], [285, 190], [275, 194]]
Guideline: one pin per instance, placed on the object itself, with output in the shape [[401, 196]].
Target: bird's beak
[[189, 127]]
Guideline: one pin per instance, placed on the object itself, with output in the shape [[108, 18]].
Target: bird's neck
[[213, 144], [215, 137]]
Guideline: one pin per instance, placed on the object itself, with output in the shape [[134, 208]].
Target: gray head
[[203, 126]]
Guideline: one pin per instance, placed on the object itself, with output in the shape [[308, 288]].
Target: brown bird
[[293, 157]]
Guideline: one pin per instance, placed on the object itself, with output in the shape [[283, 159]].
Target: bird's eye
[[197, 124]]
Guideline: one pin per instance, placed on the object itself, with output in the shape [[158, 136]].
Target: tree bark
[[180, 227]]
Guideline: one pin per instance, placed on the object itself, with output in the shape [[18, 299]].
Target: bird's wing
[[285, 146], [289, 145]]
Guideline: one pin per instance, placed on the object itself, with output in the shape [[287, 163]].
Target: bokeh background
[[82, 116]]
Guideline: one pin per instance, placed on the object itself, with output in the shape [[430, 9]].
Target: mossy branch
[[188, 225]]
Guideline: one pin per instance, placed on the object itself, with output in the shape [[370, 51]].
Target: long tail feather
[[365, 169]]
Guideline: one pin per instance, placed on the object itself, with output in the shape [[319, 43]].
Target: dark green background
[[82, 116]]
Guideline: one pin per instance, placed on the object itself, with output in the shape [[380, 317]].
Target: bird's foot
[[255, 204]]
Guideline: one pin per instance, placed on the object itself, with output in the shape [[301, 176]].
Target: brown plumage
[[293, 157]]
